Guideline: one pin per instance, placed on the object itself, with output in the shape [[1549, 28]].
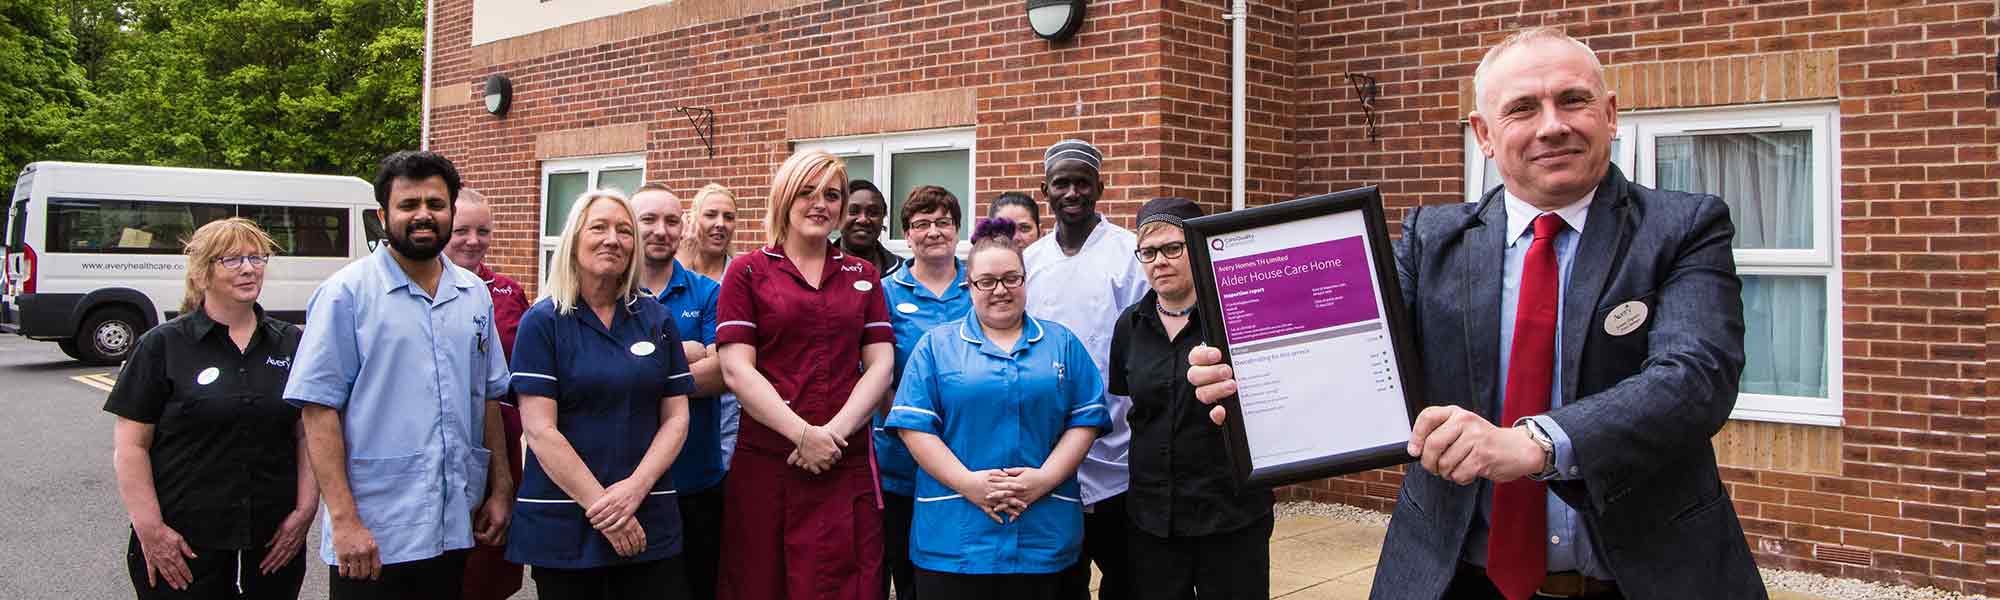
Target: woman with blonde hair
[[796, 319], [210, 461], [711, 225], [603, 386]]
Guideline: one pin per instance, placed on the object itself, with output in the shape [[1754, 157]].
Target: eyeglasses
[[1011, 280], [1170, 250], [237, 262], [943, 223]]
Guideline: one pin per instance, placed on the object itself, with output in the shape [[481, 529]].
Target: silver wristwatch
[[1541, 438]]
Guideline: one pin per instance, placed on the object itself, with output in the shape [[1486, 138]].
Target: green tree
[[41, 85], [315, 86]]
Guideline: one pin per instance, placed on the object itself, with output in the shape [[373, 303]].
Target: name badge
[[906, 308], [1626, 318], [863, 285], [207, 376], [643, 349]]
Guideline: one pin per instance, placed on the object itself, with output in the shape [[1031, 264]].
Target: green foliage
[[315, 86], [41, 85]]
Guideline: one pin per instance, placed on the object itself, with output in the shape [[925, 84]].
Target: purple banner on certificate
[[1304, 288]]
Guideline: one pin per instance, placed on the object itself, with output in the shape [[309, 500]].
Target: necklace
[[1174, 313]]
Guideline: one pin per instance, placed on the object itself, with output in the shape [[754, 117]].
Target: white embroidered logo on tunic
[[504, 291], [282, 363]]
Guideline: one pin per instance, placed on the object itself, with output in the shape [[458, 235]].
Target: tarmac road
[[63, 530]]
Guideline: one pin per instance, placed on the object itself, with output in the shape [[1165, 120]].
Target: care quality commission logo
[[1223, 243]]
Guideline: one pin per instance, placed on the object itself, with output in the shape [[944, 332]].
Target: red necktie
[[1516, 558]]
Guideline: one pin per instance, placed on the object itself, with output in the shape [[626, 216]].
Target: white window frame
[[593, 166], [1637, 160], [883, 148]]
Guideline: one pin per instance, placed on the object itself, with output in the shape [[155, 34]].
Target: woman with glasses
[[999, 408], [1193, 533], [210, 461], [603, 387], [925, 293]]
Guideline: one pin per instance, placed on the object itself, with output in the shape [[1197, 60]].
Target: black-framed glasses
[[1010, 280], [1170, 250], [238, 262], [940, 223]]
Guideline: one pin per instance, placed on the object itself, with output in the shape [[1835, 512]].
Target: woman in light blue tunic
[[998, 408]]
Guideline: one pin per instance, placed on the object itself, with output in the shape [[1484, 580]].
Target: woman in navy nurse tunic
[[999, 408], [603, 395]]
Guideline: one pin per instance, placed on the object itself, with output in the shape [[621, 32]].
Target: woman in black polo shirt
[[1193, 534], [210, 462]]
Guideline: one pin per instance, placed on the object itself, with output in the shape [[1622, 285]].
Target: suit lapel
[[1482, 257], [1603, 238]]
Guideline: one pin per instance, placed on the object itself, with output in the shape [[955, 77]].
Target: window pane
[[562, 192], [949, 169], [623, 180], [371, 225], [1766, 178], [1784, 339], [119, 226], [861, 167], [302, 231]]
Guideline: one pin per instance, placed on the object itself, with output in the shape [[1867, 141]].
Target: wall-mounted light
[[499, 95], [1055, 20]]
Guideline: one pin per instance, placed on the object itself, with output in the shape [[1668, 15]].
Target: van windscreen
[[17, 224]]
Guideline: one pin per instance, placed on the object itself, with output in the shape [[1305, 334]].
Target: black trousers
[[664, 579], [438, 577], [1226, 566], [701, 541], [219, 574], [1471, 584], [933, 584], [897, 511], [1104, 543]]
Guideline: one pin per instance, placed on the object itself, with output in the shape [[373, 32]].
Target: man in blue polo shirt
[[690, 301], [398, 379]]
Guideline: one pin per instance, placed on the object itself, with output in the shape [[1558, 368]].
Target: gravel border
[[1793, 581]]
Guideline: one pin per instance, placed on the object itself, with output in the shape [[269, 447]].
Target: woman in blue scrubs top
[[998, 408], [603, 393], [927, 292]]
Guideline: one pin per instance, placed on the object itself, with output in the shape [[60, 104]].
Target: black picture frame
[[1368, 201]]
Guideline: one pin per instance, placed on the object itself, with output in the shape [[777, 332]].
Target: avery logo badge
[[208, 376], [689, 314], [643, 349], [504, 291], [1626, 318], [851, 268], [282, 363], [863, 285], [906, 308]]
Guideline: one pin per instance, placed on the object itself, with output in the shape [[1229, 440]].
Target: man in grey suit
[[1582, 337]]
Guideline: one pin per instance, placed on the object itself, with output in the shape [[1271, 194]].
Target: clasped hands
[[818, 448], [1449, 441], [612, 514], [1005, 494]]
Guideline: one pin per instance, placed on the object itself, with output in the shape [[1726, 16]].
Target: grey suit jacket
[[1639, 409]]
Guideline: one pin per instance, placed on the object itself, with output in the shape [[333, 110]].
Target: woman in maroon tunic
[[806, 346]]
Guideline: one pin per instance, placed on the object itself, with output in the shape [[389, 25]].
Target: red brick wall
[[1918, 217]]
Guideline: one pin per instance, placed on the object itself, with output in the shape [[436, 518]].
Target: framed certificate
[[1302, 299]]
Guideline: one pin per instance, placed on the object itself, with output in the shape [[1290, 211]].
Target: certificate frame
[[1408, 376]]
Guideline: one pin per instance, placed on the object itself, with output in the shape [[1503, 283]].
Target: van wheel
[[108, 336], [69, 348]]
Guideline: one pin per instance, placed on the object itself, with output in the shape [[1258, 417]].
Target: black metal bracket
[[1366, 91], [703, 121]]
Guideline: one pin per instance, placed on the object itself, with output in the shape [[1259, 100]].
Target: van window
[[301, 230], [17, 225], [371, 225], [126, 227]]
